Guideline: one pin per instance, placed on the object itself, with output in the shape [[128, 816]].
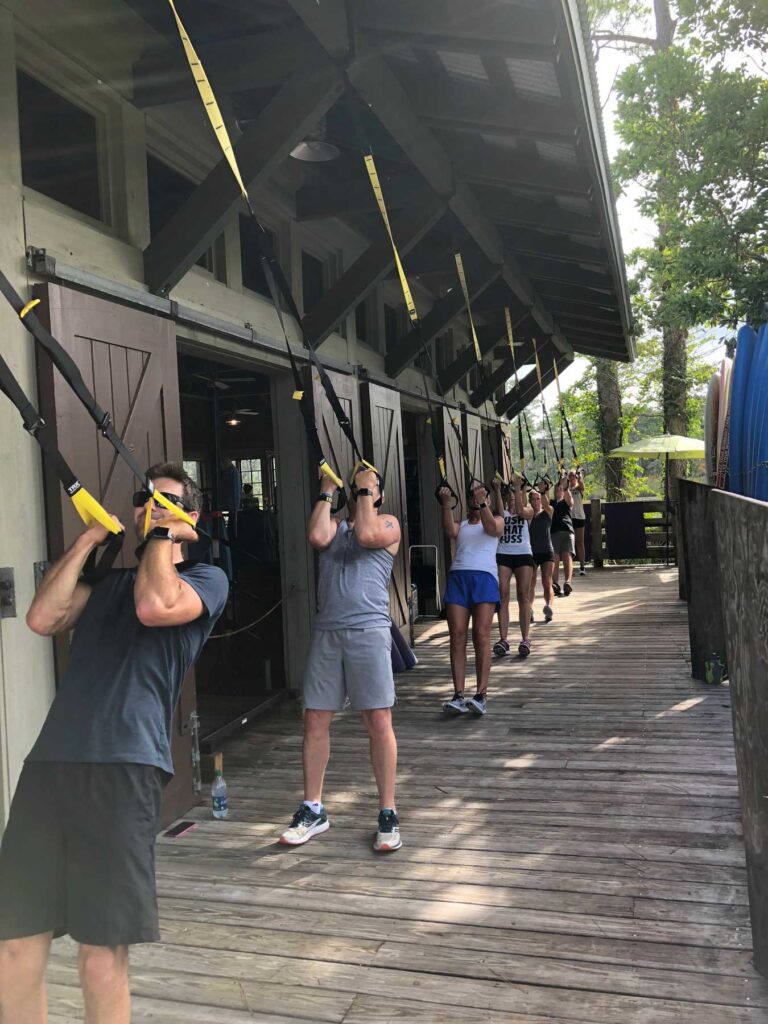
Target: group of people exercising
[[77, 855], [508, 532]]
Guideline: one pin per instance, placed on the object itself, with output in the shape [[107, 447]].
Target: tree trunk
[[611, 427], [675, 393]]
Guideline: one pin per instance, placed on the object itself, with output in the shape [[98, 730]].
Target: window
[[59, 148], [250, 259], [250, 473], [313, 280], [168, 191], [193, 469]]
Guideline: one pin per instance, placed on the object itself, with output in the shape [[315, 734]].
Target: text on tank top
[[353, 584], [541, 541], [516, 538], [475, 550]]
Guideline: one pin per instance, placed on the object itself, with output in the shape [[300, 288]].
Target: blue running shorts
[[467, 587]]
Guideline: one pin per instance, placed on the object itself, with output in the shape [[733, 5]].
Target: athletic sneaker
[[556, 588], [548, 613], [388, 833], [304, 825], [456, 705], [567, 589], [478, 704], [501, 648], [582, 571], [524, 648]]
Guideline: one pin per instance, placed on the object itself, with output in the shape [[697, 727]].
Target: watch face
[[161, 531]]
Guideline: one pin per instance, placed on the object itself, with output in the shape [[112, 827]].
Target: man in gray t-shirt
[[77, 856], [350, 652]]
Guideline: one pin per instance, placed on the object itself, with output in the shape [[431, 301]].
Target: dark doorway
[[228, 442]]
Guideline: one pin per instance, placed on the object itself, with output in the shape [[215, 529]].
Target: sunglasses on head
[[140, 498]]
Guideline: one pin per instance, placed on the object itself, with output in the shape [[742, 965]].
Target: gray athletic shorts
[[354, 663], [563, 543]]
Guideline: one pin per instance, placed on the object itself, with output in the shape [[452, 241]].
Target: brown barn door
[[336, 448], [383, 436], [128, 361], [473, 442]]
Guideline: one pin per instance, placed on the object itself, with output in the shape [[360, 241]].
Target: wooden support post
[[741, 530], [596, 505], [697, 560]]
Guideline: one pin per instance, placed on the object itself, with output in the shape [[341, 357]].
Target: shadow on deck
[[574, 856]]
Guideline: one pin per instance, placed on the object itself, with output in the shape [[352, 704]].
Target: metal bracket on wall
[[40, 569], [7, 593]]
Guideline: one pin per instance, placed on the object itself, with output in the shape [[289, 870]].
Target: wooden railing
[[630, 531]]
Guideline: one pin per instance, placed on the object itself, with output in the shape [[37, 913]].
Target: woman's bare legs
[[523, 575], [482, 621], [458, 627], [505, 577]]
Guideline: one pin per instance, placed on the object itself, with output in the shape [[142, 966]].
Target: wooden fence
[[630, 531]]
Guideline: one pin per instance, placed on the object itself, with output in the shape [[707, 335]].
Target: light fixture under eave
[[233, 421], [315, 149]]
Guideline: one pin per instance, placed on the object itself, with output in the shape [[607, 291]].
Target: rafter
[[516, 399], [372, 266], [282, 125]]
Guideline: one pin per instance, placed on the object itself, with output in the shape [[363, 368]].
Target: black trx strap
[[544, 408], [564, 420], [71, 374], [276, 282], [497, 477], [88, 508]]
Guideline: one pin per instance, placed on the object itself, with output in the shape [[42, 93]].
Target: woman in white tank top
[[472, 591], [578, 516], [514, 557]]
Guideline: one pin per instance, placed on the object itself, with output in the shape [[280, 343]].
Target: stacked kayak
[[744, 432]]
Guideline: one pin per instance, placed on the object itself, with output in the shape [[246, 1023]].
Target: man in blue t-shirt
[[77, 856]]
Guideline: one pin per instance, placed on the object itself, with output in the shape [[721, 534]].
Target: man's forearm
[[157, 581], [53, 599]]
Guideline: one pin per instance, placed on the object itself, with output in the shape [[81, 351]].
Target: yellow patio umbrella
[[673, 446]]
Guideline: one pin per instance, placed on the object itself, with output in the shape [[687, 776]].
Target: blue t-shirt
[[116, 699]]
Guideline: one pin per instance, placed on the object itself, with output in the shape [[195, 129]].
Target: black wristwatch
[[325, 497], [364, 492], [483, 504], [161, 533]]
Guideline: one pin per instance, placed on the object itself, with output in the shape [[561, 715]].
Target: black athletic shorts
[[515, 561], [78, 854], [541, 559], [578, 523]]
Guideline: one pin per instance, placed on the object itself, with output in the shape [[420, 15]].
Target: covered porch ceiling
[[485, 123]]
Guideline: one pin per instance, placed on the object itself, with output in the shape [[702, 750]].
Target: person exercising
[[471, 592], [562, 537], [514, 558], [350, 651], [541, 546], [578, 517], [77, 856]]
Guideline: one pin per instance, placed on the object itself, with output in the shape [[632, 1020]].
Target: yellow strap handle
[[361, 464], [465, 290], [30, 305], [373, 176], [326, 470], [91, 512]]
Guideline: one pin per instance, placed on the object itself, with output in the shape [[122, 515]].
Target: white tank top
[[516, 539], [475, 549], [577, 512]]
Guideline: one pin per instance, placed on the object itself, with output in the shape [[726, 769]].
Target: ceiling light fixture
[[233, 421], [314, 149]]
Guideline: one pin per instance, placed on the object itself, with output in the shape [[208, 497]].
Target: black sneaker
[[556, 588], [387, 833], [305, 824], [501, 648], [567, 589]]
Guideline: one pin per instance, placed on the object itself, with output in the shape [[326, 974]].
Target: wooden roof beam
[[501, 374], [328, 24], [234, 65], [378, 87], [480, 274], [516, 399], [285, 121], [372, 266], [480, 162]]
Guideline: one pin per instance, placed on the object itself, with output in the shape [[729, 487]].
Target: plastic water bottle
[[219, 789]]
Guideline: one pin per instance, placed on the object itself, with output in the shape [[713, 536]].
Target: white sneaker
[[304, 825], [548, 613], [456, 705], [388, 833]]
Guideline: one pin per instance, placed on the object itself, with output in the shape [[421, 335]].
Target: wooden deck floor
[[574, 856]]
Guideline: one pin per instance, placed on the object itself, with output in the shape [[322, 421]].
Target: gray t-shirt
[[116, 699], [353, 584]]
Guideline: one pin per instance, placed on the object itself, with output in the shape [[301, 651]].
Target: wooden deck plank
[[576, 855]]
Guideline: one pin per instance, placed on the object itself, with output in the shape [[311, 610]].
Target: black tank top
[[561, 520], [541, 542]]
